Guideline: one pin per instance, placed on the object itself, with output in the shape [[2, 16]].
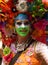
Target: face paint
[[22, 25], [23, 31]]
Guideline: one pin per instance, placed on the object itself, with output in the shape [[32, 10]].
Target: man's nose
[[23, 25]]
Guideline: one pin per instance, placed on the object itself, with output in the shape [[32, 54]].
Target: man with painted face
[[24, 41], [22, 28]]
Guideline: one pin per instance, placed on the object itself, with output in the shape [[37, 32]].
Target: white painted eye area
[[20, 23], [26, 23]]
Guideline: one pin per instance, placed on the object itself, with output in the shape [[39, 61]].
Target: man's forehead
[[21, 17]]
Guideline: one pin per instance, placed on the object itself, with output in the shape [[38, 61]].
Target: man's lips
[[23, 30]]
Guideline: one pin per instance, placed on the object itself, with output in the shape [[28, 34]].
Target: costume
[[29, 55]]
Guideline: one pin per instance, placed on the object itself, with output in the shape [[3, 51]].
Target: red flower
[[8, 57]]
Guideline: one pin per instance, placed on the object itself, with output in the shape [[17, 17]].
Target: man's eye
[[19, 23], [26, 23]]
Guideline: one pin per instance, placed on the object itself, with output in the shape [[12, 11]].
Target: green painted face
[[23, 31]]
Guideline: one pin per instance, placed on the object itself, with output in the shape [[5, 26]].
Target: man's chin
[[23, 35]]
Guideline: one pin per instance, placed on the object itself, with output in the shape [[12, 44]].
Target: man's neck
[[22, 39]]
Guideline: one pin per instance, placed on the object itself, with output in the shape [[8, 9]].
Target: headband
[[22, 17]]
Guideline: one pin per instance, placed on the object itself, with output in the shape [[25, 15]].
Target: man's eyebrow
[[18, 21]]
